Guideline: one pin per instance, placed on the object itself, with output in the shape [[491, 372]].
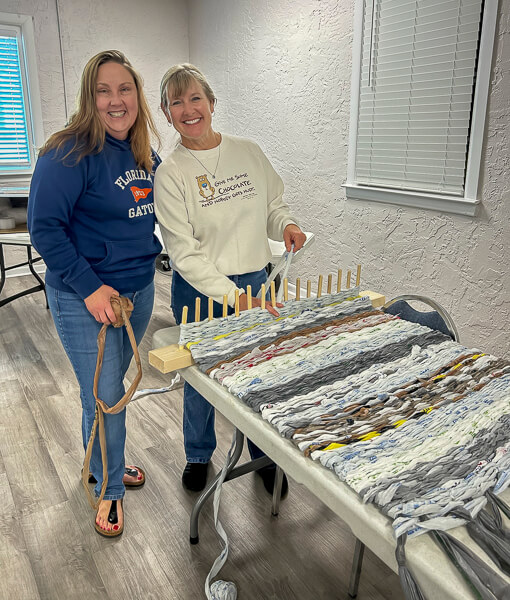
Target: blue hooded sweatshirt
[[93, 222]]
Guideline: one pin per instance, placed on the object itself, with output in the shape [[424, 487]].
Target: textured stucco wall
[[282, 72], [153, 35]]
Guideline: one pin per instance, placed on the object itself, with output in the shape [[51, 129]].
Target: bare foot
[[102, 516]]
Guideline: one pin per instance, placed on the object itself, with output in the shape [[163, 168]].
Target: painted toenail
[[115, 527]]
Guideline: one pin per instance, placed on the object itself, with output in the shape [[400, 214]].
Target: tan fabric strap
[[123, 307]]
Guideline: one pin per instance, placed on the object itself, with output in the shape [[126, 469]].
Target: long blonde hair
[[86, 130]]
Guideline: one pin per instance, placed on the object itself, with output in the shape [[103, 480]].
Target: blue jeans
[[78, 331], [198, 414]]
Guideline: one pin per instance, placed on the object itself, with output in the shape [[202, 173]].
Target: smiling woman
[[217, 200], [116, 99], [91, 217]]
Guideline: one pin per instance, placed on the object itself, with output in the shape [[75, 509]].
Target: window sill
[[459, 206]]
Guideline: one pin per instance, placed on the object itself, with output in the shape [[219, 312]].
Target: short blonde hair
[[86, 129], [178, 79]]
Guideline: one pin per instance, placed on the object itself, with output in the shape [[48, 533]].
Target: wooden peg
[[236, 303], [358, 275], [308, 288], [319, 287], [184, 320], [197, 309], [263, 296], [298, 289], [210, 309], [285, 289], [330, 282], [248, 293], [273, 294], [225, 305], [339, 281], [348, 279]]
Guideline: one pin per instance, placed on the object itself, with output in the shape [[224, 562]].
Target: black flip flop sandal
[[113, 518]]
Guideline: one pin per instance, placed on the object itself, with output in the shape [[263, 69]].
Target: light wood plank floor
[[48, 546]]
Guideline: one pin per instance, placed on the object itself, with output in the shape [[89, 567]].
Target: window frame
[[467, 205], [16, 182]]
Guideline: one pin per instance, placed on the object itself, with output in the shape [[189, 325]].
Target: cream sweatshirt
[[216, 208]]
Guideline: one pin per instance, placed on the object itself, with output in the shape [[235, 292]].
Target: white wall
[[282, 72], [153, 34]]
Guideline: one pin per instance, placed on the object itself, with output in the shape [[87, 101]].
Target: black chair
[[438, 319]]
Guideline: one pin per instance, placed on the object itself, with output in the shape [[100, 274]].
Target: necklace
[[213, 175]]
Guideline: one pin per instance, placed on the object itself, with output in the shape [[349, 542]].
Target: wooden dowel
[[236, 303], [248, 293], [210, 308], [273, 294], [298, 288], [330, 282], [184, 320], [358, 275], [319, 287], [285, 289], [339, 281], [263, 296], [225, 305], [197, 309], [308, 288], [348, 279]]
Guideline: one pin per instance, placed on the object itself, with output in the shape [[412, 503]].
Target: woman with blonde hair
[[218, 199], [91, 217]]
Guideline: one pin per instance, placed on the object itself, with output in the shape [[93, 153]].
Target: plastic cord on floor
[[220, 590], [149, 391]]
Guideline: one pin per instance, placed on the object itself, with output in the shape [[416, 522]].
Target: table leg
[[195, 513], [357, 563], [2, 267], [277, 491], [35, 274]]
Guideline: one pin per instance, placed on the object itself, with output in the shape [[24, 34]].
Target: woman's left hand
[[292, 234]]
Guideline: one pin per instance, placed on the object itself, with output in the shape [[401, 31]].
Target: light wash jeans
[[78, 331], [198, 417]]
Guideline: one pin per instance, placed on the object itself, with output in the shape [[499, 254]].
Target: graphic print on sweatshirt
[[138, 193], [238, 186]]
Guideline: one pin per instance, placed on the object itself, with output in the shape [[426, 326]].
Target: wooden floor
[[48, 546]]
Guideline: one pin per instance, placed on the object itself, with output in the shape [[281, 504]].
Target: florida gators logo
[[140, 193]]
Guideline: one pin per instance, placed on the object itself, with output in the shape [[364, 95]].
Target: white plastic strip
[[220, 590]]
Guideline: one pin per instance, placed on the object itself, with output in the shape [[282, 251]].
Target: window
[[20, 110], [420, 84]]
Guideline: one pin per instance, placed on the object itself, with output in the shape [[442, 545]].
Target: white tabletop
[[17, 239], [437, 576]]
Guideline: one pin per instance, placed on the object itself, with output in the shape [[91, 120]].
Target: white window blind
[[418, 71], [14, 137]]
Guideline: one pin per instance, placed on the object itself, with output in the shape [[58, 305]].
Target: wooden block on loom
[[376, 299], [170, 358]]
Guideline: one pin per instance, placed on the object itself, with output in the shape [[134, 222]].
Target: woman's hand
[[243, 304], [292, 234], [98, 304]]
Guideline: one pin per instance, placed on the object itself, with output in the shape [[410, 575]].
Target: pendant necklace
[[212, 174]]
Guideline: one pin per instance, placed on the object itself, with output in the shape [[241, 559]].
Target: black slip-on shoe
[[268, 475], [194, 476]]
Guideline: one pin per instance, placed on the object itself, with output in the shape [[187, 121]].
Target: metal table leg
[[357, 563], [232, 473], [277, 491]]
